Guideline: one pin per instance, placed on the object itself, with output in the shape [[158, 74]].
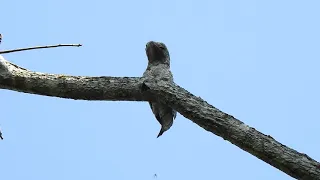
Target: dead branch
[[39, 47], [264, 147]]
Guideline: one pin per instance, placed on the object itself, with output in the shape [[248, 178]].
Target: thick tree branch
[[15, 78], [262, 146]]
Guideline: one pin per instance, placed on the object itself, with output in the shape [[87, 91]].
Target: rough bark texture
[[264, 147], [15, 78]]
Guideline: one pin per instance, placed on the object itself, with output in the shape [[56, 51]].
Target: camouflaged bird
[[159, 69]]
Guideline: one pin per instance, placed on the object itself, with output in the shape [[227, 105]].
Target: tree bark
[[264, 147]]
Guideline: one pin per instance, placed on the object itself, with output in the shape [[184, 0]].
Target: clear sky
[[256, 60]]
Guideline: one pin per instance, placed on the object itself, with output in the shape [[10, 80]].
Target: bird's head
[[157, 53]]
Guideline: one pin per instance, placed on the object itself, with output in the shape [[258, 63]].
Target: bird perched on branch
[[159, 69]]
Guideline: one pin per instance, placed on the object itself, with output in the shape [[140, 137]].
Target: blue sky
[[256, 60]]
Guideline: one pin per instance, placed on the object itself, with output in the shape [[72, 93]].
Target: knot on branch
[[155, 87], [144, 87], [147, 89]]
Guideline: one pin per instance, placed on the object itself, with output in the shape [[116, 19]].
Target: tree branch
[[15, 78], [38, 47], [262, 146]]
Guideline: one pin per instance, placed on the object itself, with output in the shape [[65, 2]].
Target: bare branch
[[264, 147], [15, 78], [39, 47]]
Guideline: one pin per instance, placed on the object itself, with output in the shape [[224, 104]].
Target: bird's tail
[[161, 132]]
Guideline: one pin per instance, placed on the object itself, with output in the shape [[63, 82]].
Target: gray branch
[[15, 78], [264, 147]]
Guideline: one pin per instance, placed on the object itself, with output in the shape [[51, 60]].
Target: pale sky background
[[256, 60]]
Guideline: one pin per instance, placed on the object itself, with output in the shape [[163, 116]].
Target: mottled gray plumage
[[159, 69]]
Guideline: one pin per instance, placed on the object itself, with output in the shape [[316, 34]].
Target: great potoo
[[159, 69]]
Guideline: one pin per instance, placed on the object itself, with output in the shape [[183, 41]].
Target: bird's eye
[[162, 47]]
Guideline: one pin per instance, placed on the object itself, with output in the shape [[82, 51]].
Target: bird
[[0, 38], [159, 69]]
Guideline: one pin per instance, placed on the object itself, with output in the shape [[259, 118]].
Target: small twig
[[38, 47]]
